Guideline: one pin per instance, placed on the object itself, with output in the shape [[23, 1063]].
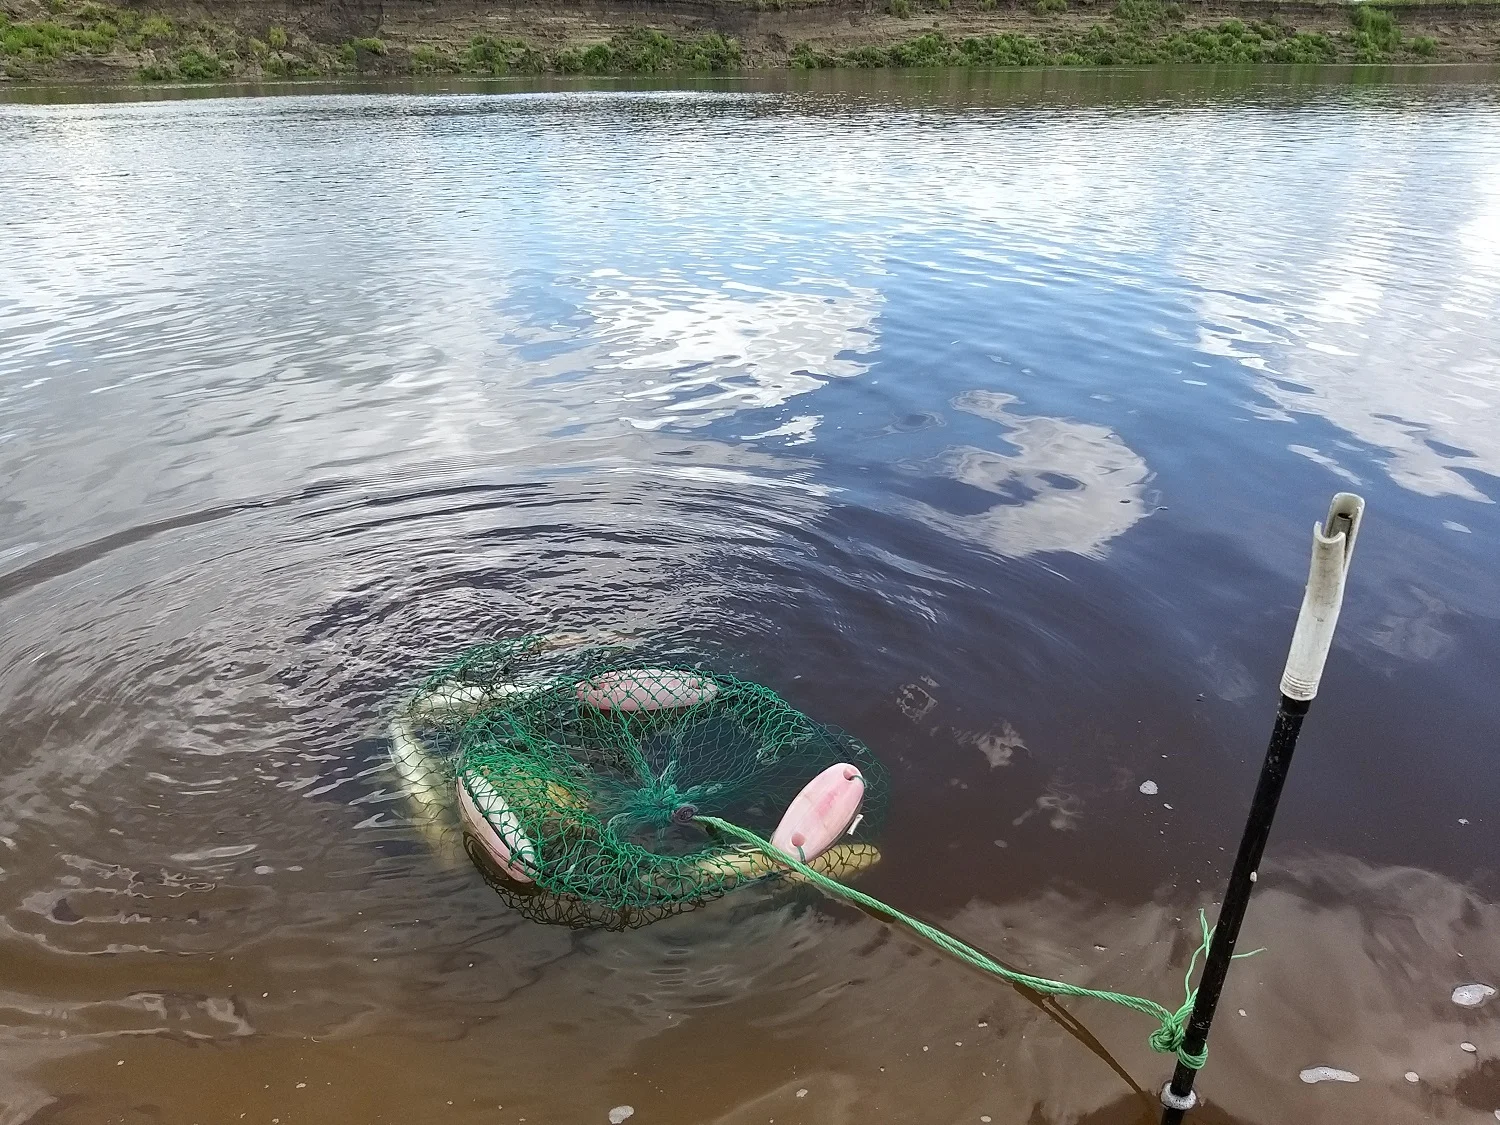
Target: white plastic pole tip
[[1333, 547]]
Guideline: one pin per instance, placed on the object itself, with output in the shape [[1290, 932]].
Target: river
[[986, 417]]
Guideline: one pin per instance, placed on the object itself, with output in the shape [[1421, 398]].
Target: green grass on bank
[[81, 37], [209, 52], [1142, 32], [1230, 42], [638, 51]]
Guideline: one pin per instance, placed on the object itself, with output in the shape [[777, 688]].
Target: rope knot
[[1168, 1038], [1171, 1036]]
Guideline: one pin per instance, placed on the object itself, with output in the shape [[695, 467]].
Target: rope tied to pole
[[1168, 1038]]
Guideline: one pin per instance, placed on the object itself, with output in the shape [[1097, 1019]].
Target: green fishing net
[[603, 759]]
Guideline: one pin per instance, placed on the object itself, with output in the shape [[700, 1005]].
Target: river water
[[986, 417]]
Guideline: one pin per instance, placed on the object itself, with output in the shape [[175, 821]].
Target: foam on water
[[1315, 1074]]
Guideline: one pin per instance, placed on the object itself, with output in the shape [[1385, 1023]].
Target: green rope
[[1168, 1038]]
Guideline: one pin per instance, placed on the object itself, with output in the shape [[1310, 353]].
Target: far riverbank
[[256, 42]]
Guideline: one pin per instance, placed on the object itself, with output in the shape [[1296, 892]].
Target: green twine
[[1168, 1038]]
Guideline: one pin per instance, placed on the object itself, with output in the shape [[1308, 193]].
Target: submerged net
[[604, 763]]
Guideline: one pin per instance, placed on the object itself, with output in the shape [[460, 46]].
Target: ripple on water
[[867, 396]]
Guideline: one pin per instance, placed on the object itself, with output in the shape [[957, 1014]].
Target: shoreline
[[932, 89], [261, 42]]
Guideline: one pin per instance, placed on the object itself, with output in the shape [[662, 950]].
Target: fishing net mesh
[[603, 762]]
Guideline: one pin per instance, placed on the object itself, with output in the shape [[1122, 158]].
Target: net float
[[646, 689], [492, 823], [821, 813]]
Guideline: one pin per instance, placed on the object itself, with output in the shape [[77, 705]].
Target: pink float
[[646, 689], [821, 813], [511, 857]]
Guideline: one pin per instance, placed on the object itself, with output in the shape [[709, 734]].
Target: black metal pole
[[1178, 1097]]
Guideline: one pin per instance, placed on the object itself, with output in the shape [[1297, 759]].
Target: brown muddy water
[[986, 417]]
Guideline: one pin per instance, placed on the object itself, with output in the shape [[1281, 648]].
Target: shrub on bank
[[643, 51], [46, 40], [489, 54], [427, 59], [197, 65], [1375, 36], [155, 31]]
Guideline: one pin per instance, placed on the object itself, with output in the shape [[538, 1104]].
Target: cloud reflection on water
[[1064, 485], [1381, 323], [713, 351]]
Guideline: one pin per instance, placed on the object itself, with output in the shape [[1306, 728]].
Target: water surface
[[986, 417]]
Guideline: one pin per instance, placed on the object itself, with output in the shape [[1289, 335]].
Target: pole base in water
[[1180, 1104]]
